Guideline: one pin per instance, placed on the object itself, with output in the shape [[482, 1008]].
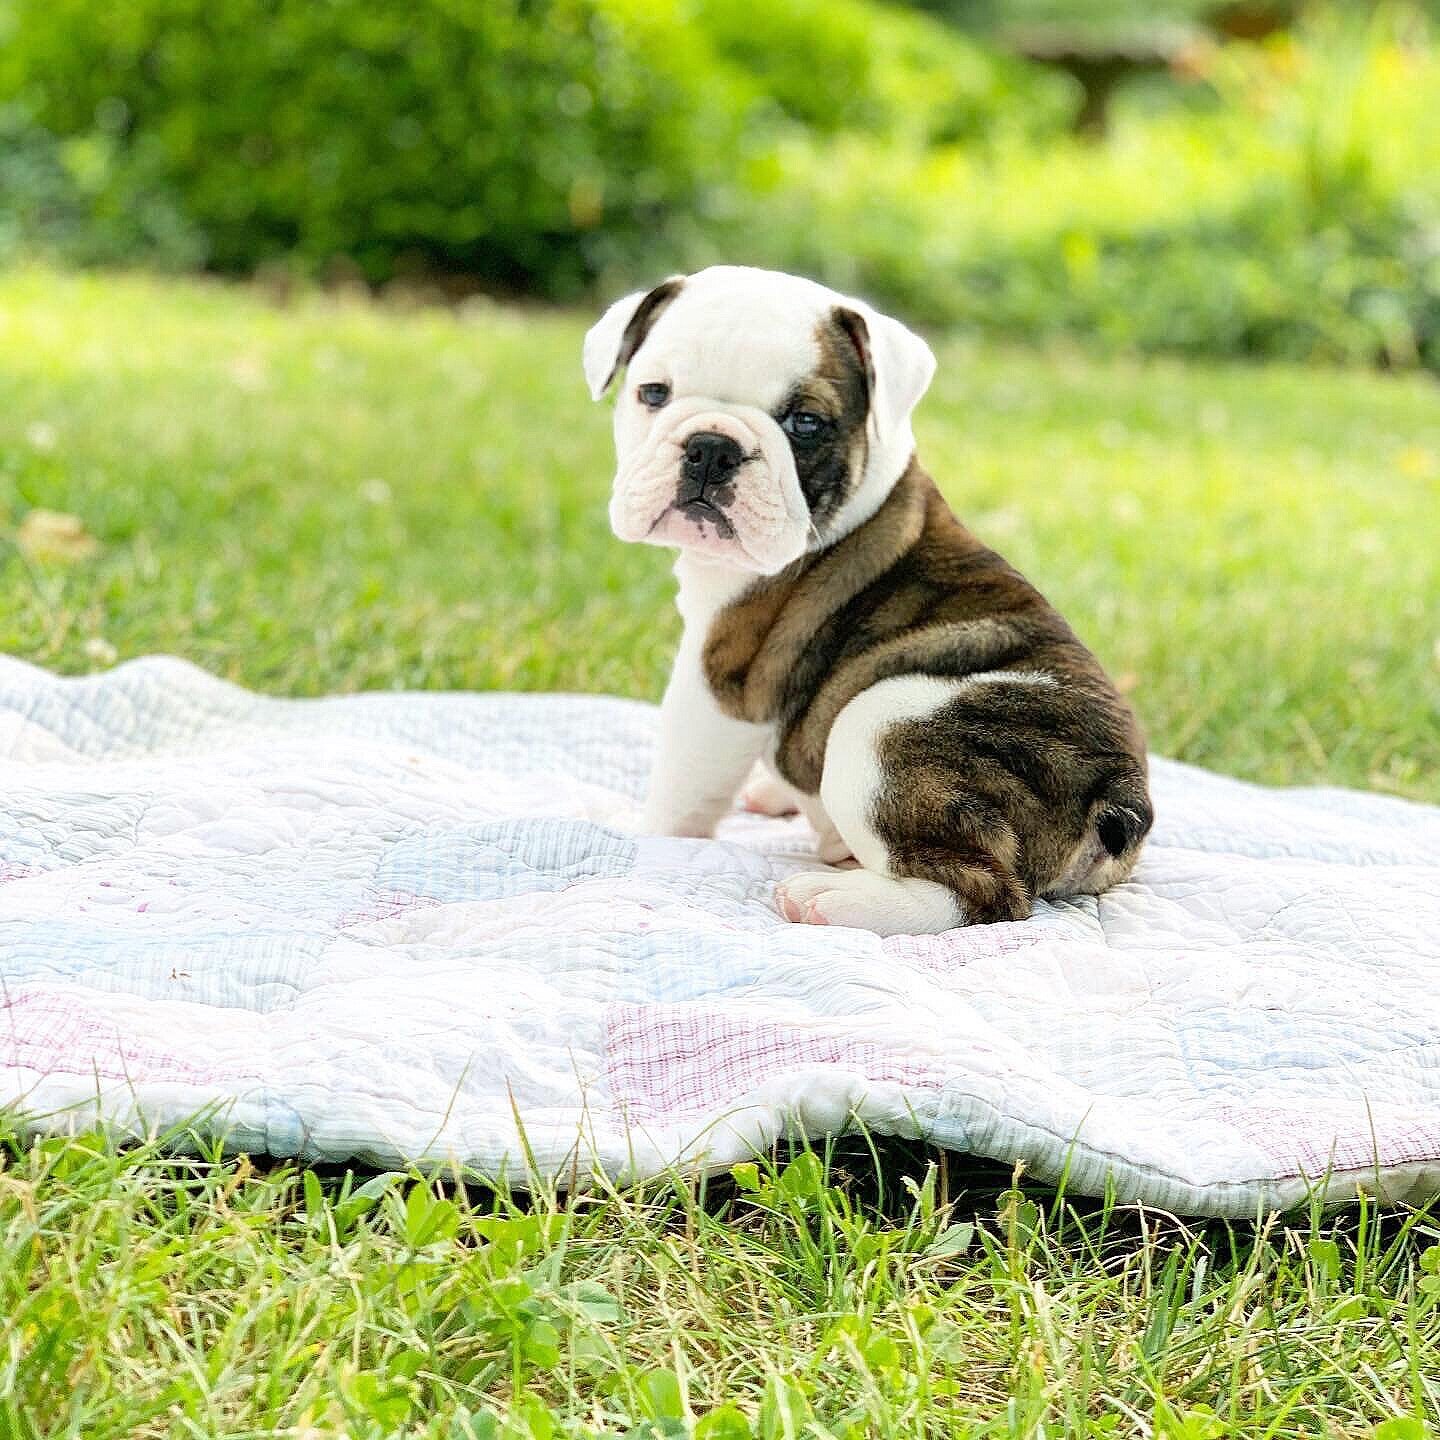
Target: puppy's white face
[[762, 415]]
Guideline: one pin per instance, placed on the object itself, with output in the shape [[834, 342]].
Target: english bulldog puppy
[[896, 680]]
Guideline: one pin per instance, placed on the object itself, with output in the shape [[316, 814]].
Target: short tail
[[1122, 814]]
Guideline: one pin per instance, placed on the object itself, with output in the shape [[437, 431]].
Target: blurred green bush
[[88, 199], [1291, 210], [835, 65], [1285, 200], [493, 138], [528, 143]]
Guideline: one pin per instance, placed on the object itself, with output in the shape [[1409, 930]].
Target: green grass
[[144, 1295], [333, 496], [336, 496]]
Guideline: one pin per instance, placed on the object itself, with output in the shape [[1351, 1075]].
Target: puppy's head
[[762, 415]]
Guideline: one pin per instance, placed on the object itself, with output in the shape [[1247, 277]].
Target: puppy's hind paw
[[863, 900], [765, 795], [799, 902]]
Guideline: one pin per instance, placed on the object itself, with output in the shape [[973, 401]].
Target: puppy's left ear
[[899, 365], [616, 336]]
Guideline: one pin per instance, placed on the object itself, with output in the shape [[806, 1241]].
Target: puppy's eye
[[803, 424], [652, 397]]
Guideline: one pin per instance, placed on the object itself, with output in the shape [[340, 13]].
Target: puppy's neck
[[707, 585]]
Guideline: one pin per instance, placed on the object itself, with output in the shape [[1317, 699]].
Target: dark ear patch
[[852, 325], [647, 312]]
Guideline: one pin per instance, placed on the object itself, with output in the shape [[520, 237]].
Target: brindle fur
[[993, 793]]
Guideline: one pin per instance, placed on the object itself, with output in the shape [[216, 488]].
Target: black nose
[[710, 458]]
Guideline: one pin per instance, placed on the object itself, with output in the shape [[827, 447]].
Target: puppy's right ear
[[898, 364], [621, 330]]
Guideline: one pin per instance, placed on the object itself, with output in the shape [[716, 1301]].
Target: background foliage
[[1278, 197], [534, 143]]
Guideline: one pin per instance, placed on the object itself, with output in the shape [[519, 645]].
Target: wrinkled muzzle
[[716, 480]]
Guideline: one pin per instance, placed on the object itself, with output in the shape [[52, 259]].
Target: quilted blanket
[[423, 927]]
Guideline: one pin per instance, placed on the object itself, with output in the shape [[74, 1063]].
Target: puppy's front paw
[[691, 828], [688, 824], [863, 900]]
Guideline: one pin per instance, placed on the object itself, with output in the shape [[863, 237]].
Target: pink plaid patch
[[40, 1030], [11, 871], [383, 905], [1341, 1136], [678, 1061], [958, 948]]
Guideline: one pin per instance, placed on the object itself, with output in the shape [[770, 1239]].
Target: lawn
[[331, 496], [326, 495]]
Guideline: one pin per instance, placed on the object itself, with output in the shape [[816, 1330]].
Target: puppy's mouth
[[703, 497], [701, 511]]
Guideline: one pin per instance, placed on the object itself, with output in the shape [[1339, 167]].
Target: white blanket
[[421, 927]]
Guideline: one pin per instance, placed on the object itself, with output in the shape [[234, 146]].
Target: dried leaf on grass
[[55, 536]]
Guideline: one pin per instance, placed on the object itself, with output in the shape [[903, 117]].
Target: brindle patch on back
[[909, 591]]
